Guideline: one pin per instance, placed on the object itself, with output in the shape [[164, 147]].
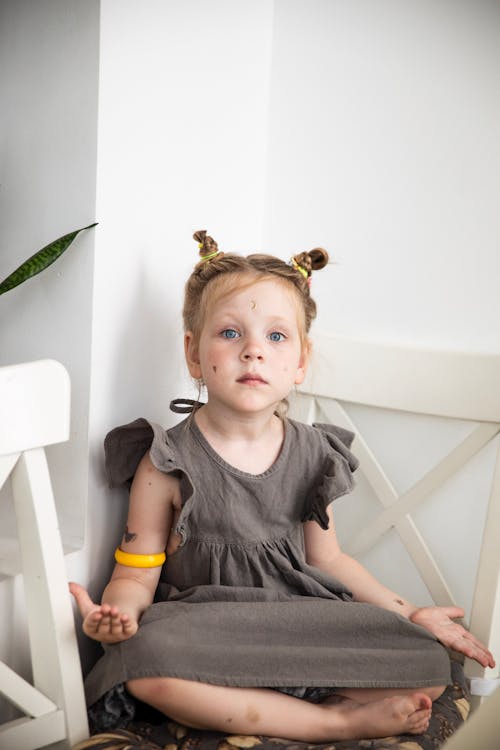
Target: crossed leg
[[356, 714]]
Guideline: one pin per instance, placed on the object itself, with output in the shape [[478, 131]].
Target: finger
[[110, 616], [470, 649], [482, 651], [116, 621], [453, 612], [128, 625], [92, 622], [82, 598], [478, 643], [116, 625]]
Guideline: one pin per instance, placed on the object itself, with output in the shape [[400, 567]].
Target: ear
[[192, 356], [302, 366]]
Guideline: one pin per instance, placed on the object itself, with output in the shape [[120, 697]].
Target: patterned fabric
[[153, 731]]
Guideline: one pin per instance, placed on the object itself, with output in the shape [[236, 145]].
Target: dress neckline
[[201, 439]]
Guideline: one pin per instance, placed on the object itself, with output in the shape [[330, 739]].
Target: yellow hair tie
[[139, 561], [209, 257], [299, 268]]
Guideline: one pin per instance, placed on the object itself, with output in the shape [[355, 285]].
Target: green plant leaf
[[40, 260]]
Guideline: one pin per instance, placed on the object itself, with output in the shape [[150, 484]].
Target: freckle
[[150, 483], [252, 714], [229, 720]]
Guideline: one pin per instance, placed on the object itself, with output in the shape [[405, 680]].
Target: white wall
[[366, 127], [49, 54], [183, 115], [49, 72], [384, 147]]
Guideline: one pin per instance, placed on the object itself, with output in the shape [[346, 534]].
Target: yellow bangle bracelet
[[139, 561]]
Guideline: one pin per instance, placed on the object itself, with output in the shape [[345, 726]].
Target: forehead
[[266, 296]]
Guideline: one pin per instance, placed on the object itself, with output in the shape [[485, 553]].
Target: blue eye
[[229, 333], [277, 336]]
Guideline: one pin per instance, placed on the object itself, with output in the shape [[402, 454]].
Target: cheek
[[213, 365], [209, 360], [293, 363], [216, 361]]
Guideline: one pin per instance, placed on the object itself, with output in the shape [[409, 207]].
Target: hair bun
[[200, 235], [207, 245], [319, 258], [309, 261]]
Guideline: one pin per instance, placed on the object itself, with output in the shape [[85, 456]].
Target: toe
[[422, 701]]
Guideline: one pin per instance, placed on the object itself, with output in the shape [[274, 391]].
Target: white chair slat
[[23, 695], [485, 614], [413, 541], [34, 405], [46, 589], [431, 481], [372, 470], [30, 733], [424, 561], [462, 385], [7, 463]]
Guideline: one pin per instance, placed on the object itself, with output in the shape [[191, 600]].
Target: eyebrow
[[269, 319]]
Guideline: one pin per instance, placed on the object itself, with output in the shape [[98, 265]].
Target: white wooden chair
[[481, 731], [34, 412], [447, 384]]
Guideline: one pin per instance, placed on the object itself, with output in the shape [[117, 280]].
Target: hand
[[439, 622], [102, 622]]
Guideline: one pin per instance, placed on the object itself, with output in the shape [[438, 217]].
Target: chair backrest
[[34, 405], [459, 386], [463, 385]]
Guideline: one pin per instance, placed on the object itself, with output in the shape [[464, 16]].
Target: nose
[[251, 351]]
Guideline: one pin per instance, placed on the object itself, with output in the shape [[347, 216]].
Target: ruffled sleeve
[[126, 445], [336, 473]]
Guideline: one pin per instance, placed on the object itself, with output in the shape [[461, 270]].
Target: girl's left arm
[[323, 551]]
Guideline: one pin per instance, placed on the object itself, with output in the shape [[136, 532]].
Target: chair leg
[[54, 651]]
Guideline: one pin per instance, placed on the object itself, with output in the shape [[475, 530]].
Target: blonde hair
[[218, 274]]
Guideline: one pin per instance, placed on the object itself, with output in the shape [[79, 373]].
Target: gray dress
[[237, 604]]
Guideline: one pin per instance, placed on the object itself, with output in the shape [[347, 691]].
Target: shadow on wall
[[148, 361], [145, 366]]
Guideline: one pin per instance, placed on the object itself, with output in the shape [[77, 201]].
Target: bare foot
[[407, 714]]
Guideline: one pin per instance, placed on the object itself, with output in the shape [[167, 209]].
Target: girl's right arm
[[153, 497]]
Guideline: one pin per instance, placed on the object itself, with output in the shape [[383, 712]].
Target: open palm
[[102, 622], [440, 621]]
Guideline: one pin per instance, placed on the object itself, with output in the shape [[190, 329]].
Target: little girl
[[260, 623]]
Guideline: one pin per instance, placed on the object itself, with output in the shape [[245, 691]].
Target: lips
[[251, 378]]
